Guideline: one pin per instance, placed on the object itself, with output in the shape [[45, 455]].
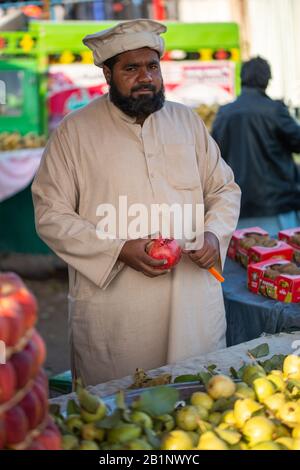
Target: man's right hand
[[134, 255]]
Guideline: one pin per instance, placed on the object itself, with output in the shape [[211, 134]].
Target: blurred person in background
[[257, 137]]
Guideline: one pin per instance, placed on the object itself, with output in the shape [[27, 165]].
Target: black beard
[[140, 107]]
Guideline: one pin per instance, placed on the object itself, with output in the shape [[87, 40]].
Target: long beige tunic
[[120, 319]]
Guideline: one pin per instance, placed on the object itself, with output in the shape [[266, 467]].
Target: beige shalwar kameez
[[120, 319]]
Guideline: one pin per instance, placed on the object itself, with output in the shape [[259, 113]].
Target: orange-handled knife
[[216, 274]]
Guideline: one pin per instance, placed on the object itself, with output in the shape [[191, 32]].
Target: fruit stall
[[47, 77], [25, 422], [240, 398]]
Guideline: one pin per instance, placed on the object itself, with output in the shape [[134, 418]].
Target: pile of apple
[[24, 419]]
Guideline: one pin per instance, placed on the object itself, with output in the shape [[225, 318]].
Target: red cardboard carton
[[274, 279], [292, 237], [261, 253], [239, 235]]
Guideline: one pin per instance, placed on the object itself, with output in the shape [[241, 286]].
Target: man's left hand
[[209, 255]]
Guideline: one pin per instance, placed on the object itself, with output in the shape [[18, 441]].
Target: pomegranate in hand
[[163, 248]]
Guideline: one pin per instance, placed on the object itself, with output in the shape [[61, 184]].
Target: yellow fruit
[[202, 399], [287, 442], [243, 391], [220, 386], [91, 417], [258, 429], [296, 432], [177, 440], [88, 445], [263, 388], [69, 442], [215, 418], [243, 446], [141, 418], [74, 423], [137, 444], [194, 437], [281, 431], [296, 445], [202, 412], [277, 372], [267, 445], [289, 414], [275, 402], [164, 422], [239, 446], [187, 418], [204, 426], [230, 436], [224, 404], [291, 366], [209, 441], [277, 381], [244, 409], [224, 426], [252, 372], [229, 418], [293, 386], [123, 432], [90, 433], [91, 405]]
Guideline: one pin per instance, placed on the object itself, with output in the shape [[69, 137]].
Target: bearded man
[[125, 312]]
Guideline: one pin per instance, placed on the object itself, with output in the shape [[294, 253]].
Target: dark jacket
[[257, 136]]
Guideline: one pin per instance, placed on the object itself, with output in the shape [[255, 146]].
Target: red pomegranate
[[164, 248]]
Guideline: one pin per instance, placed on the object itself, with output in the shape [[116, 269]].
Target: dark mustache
[[143, 87]]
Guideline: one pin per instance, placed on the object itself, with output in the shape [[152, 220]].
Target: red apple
[[29, 306], [2, 432], [39, 342], [9, 284], [23, 366], [167, 249], [11, 311], [16, 425], [8, 382], [35, 446], [51, 425], [32, 407], [42, 379], [32, 349], [42, 394], [50, 439], [4, 330]]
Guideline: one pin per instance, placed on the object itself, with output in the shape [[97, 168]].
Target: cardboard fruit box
[[277, 279], [279, 251], [242, 234], [253, 247], [292, 237]]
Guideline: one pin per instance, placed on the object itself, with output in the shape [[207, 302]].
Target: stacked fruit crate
[[24, 418]]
